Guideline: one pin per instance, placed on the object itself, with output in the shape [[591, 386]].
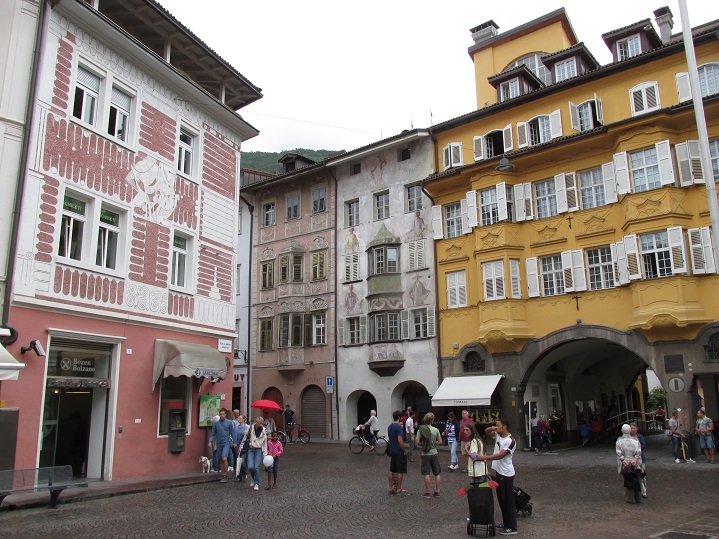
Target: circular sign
[[676, 384]]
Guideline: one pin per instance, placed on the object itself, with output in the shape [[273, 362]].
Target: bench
[[53, 478]]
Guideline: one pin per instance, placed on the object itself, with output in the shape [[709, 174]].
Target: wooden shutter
[[456, 148], [472, 220], [515, 279], [634, 263], [438, 233], [488, 279], [451, 289], [677, 251], [532, 277], [574, 116], [555, 123], [431, 325], [461, 289], [666, 167], [528, 204], [500, 291], [578, 272], [466, 229], [341, 332], [619, 259], [599, 110], [478, 143], [508, 143], [689, 162], [570, 183], [651, 91], [610, 186], [502, 212], [420, 254], [684, 90], [702, 251], [412, 255], [560, 189], [519, 207], [363, 329], [567, 271], [406, 326], [447, 156], [637, 99], [522, 135], [621, 173]]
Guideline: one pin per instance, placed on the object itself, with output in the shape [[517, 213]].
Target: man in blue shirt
[[397, 453], [224, 432]]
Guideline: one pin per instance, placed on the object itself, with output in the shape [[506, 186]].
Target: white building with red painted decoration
[[121, 263]]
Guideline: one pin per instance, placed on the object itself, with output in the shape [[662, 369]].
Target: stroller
[[481, 506], [522, 503]]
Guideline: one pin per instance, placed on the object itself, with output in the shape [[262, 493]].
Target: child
[[274, 448]]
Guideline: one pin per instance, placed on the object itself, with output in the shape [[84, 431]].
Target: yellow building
[[571, 222]]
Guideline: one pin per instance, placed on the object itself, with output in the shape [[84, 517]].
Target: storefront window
[[173, 397]]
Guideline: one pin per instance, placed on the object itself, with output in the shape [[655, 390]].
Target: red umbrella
[[266, 404]]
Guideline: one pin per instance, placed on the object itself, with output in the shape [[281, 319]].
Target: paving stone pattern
[[325, 491]]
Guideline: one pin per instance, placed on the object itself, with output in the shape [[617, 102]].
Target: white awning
[[9, 366], [466, 390], [176, 358]]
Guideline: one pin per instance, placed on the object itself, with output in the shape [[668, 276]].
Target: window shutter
[[412, 255], [121, 99], [677, 250], [702, 251], [363, 329], [406, 326], [631, 250], [696, 161], [610, 187], [521, 135], [508, 143], [499, 288], [683, 88], [502, 212], [578, 272], [456, 149], [599, 109], [570, 181], [619, 260], [574, 116], [652, 94], [637, 99], [461, 289], [689, 163], [438, 233], [472, 209], [420, 254], [532, 277], [88, 79], [451, 290], [515, 278], [666, 167], [446, 154], [466, 229], [431, 331], [341, 331], [621, 173], [567, 271], [519, 207], [309, 334], [555, 123], [560, 189], [488, 281], [528, 205], [478, 143]]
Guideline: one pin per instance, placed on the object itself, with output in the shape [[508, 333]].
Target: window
[[539, 130], [353, 330], [268, 275], [291, 268], [714, 153], [587, 115], [404, 154], [72, 228], [319, 266], [709, 79], [627, 48], [319, 200], [179, 261], [185, 150], [453, 220], [352, 213], [238, 273], [493, 275], [381, 205], [545, 195], [474, 363], [107, 237], [552, 275], [488, 209], [644, 98], [419, 323], [352, 267], [591, 188], [87, 92], [293, 207], [565, 70], [415, 250], [265, 335], [384, 327], [290, 330], [414, 198], [600, 267], [268, 214], [452, 155], [509, 89], [119, 114], [655, 254], [384, 260], [319, 329], [172, 388], [456, 289], [355, 169], [534, 63], [644, 169]]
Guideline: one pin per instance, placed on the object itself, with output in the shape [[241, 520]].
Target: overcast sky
[[339, 75]]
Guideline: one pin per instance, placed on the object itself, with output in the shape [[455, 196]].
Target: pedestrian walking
[[643, 463], [274, 449], [222, 434], [679, 443], [397, 453], [629, 455], [243, 445], [409, 436], [451, 433], [428, 438], [545, 434], [257, 450], [705, 430], [288, 418]]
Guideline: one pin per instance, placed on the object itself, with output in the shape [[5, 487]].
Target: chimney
[[665, 21], [484, 31]]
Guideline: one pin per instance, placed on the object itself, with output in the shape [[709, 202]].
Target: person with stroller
[[476, 469], [629, 456]]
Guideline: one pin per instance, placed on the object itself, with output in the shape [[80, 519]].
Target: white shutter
[[578, 272], [341, 331], [508, 143], [702, 251], [431, 331], [515, 279], [521, 135], [555, 123], [621, 173], [437, 222], [637, 101], [412, 255], [500, 290], [472, 209], [420, 254], [88, 79], [451, 290], [447, 156], [466, 229], [456, 148], [519, 207], [683, 89], [352, 267], [666, 167], [696, 161], [363, 329], [599, 109], [567, 271], [570, 182], [406, 326], [610, 186], [488, 279], [561, 193], [689, 163], [461, 289], [502, 213], [652, 94], [631, 250], [619, 259], [532, 277], [528, 205], [478, 143], [677, 250], [574, 116]]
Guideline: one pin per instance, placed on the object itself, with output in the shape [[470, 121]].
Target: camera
[[35, 346]]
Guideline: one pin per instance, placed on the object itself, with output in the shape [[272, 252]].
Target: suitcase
[[481, 511]]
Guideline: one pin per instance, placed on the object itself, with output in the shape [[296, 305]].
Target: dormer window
[[509, 89], [565, 70], [629, 47], [535, 65]]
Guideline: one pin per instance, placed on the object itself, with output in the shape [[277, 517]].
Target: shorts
[[223, 450], [275, 467], [398, 463], [430, 462], [706, 441]]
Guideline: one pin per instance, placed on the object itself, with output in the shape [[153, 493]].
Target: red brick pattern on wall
[[63, 73], [214, 269], [48, 219], [219, 165], [83, 285], [157, 132], [179, 305], [186, 209], [149, 253]]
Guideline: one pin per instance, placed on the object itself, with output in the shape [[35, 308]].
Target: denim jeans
[[678, 450], [254, 461], [453, 451]]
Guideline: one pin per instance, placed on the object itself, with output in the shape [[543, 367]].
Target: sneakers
[[230, 468], [507, 531], [436, 494], [256, 487], [691, 461], [427, 495], [252, 483], [676, 461], [224, 479]]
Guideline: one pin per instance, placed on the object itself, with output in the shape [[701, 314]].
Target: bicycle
[[303, 435], [358, 442]]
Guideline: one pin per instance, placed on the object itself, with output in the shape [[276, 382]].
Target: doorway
[[66, 428]]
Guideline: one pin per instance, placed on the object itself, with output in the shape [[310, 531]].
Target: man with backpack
[[428, 438]]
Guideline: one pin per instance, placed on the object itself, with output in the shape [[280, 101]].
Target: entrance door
[[314, 412], [66, 429]]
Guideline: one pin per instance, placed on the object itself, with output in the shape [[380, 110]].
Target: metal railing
[[644, 420]]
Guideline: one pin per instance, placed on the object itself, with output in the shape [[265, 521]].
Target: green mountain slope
[[267, 161]]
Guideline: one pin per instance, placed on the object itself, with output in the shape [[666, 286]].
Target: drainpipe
[[336, 350], [249, 305], [22, 173]]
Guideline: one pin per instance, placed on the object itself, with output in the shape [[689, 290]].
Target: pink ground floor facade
[[90, 402]]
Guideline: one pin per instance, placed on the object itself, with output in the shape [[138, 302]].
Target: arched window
[[535, 65], [709, 79], [712, 355], [474, 363]]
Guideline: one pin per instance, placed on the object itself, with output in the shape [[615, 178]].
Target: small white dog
[[206, 464]]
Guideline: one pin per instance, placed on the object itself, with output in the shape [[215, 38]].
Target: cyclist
[[373, 428]]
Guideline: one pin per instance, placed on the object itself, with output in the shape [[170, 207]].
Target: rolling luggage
[[481, 510]]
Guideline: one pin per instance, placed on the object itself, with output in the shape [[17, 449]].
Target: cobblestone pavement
[[325, 491]]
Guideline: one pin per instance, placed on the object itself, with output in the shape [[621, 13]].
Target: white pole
[[704, 151]]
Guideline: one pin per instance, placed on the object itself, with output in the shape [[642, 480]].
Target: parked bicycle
[[358, 442], [303, 435]]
